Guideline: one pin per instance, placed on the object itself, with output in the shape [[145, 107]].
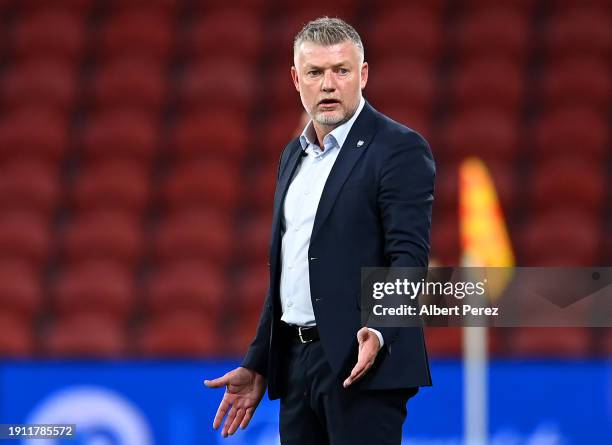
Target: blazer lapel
[[355, 145]]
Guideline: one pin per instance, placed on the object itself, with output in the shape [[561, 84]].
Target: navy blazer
[[375, 210]]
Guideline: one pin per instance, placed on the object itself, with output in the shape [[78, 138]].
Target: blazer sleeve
[[258, 353], [257, 356], [405, 199]]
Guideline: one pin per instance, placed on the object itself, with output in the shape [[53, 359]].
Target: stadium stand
[[139, 143]]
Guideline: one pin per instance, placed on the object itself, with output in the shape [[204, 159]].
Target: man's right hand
[[244, 389]]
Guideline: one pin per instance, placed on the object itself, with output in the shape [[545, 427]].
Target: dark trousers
[[317, 410]]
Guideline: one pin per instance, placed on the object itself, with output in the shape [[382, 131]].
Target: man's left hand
[[368, 349]]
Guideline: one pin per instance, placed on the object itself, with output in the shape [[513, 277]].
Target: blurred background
[[139, 142]]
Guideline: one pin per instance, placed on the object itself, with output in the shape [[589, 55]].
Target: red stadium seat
[[444, 342], [85, 336], [278, 130], [26, 237], [252, 288], [207, 86], [605, 336], [568, 4], [447, 342], [51, 33], [523, 6], [146, 33], [487, 133], [580, 32], [121, 135], [606, 245], [447, 187], [289, 22], [180, 335], [446, 194], [493, 32], [344, 7], [109, 237], [49, 141], [256, 7], [200, 235], [255, 238], [416, 118], [244, 39], [132, 84], [568, 184], [550, 342], [445, 240], [16, 337], [390, 29], [577, 83], [434, 6], [281, 94], [242, 331], [196, 287], [402, 84], [30, 186], [211, 134], [166, 6], [207, 185], [103, 289], [119, 186], [578, 132], [81, 7], [260, 192], [40, 82], [21, 293], [560, 238], [488, 83]]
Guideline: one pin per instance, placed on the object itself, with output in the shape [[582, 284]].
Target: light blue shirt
[[298, 217]]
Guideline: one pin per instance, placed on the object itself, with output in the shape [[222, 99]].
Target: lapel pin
[[359, 143]]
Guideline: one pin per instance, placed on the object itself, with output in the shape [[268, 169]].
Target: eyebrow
[[337, 65]]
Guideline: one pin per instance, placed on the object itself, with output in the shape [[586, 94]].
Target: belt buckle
[[300, 335]]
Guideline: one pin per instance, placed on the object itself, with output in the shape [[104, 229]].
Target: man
[[354, 190]]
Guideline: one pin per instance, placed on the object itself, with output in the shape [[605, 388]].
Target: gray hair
[[327, 31]]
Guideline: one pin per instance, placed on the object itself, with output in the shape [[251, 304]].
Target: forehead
[[319, 55]]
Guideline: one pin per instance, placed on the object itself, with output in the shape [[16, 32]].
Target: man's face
[[329, 80]]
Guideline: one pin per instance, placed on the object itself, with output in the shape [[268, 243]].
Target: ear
[[364, 74], [294, 76]]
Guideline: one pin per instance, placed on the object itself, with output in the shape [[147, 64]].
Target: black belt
[[301, 334]]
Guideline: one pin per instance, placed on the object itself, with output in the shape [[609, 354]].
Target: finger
[[353, 378], [361, 373], [356, 370], [247, 418], [223, 406], [237, 420], [217, 383], [228, 421], [357, 373]]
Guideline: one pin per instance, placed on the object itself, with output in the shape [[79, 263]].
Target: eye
[[343, 71], [313, 73]]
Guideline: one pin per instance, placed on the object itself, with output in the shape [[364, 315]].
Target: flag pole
[[485, 243]]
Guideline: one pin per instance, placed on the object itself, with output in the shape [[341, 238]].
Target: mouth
[[328, 103]]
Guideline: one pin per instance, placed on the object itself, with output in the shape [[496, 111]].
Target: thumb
[[217, 383], [362, 335]]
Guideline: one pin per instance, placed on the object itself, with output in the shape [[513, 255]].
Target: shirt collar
[[334, 138]]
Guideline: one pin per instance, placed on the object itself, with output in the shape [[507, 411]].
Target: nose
[[328, 85]]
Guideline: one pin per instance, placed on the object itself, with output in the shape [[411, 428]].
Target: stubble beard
[[333, 119]]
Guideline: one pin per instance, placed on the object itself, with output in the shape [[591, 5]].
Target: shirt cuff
[[379, 335]]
